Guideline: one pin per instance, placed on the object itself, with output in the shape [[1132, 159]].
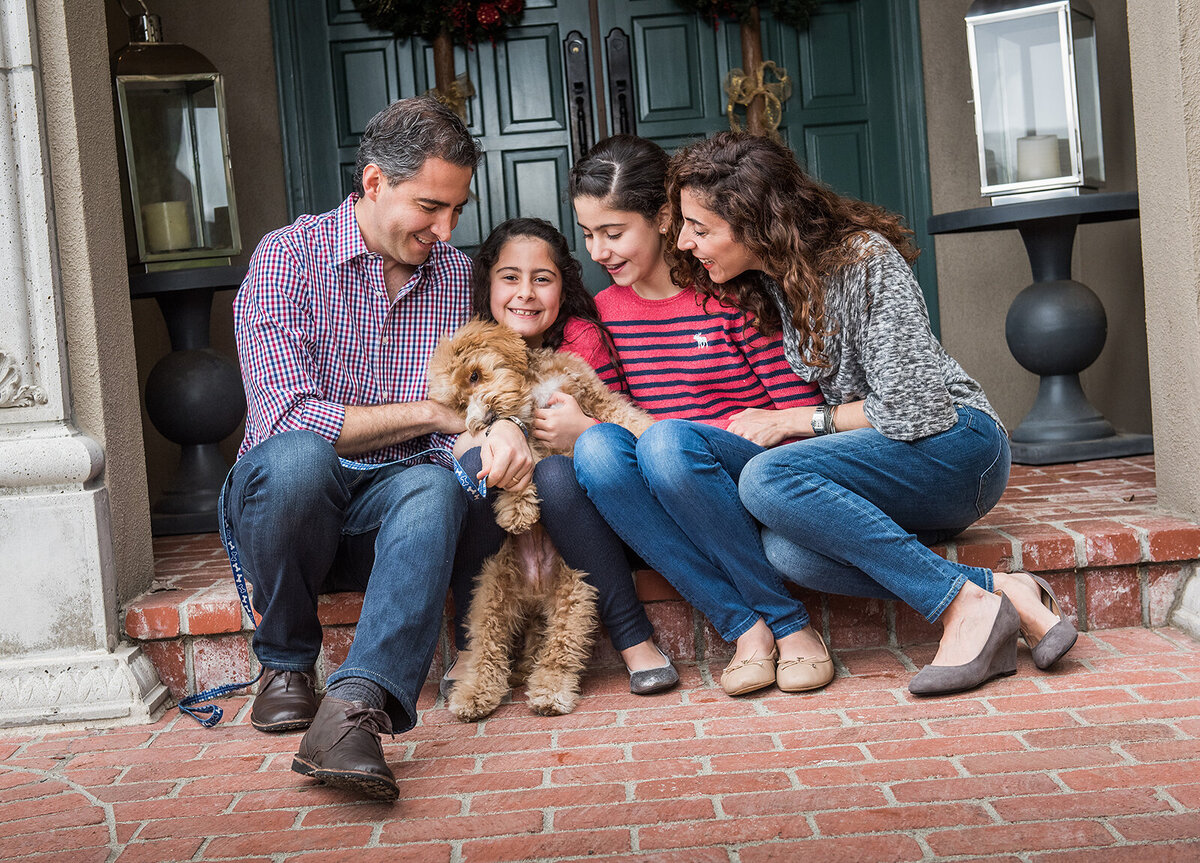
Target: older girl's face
[[526, 288], [710, 240], [625, 243]]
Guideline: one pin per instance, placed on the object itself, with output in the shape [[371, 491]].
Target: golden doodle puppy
[[524, 594]]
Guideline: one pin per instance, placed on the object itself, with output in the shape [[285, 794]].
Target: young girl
[[525, 278], [672, 494], [910, 444]]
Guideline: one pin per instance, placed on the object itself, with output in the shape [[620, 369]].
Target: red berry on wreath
[[510, 7], [488, 15]]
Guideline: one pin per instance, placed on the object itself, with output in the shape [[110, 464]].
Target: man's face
[[401, 222]]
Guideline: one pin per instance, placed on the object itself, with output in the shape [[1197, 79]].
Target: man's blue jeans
[[672, 496], [305, 524], [849, 513]]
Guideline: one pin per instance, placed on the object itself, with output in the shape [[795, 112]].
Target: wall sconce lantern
[[1037, 98], [171, 101]]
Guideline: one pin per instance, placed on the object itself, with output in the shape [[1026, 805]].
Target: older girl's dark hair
[[801, 230], [626, 172], [576, 302]]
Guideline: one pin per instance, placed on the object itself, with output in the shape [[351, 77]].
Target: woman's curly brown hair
[[800, 230]]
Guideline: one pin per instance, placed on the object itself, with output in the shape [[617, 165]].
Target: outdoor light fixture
[[1037, 98], [171, 101]]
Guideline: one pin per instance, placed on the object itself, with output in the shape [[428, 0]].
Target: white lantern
[[1037, 98], [172, 110]]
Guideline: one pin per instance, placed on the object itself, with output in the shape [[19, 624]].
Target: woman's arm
[[770, 427]]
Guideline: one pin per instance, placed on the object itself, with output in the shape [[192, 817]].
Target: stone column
[[1164, 50], [60, 659]]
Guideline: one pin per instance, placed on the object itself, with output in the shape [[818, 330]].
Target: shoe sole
[[368, 784], [279, 727]]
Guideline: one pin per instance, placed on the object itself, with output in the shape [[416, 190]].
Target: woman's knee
[[758, 484], [667, 438]]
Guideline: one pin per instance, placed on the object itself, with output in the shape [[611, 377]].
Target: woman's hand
[[507, 460], [766, 427], [561, 422]]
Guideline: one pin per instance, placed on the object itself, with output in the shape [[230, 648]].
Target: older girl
[[907, 444], [672, 494]]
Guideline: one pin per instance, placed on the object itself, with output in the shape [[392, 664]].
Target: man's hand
[[506, 457], [561, 422]]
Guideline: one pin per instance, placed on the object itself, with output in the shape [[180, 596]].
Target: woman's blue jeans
[[672, 496], [305, 524], [849, 513], [580, 534]]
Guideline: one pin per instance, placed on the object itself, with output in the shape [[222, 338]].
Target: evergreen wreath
[[466, 21], [795, 13]]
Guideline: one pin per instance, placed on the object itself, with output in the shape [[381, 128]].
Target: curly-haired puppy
[[485, 372]]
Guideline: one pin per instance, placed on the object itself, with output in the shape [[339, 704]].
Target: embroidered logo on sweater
[[701, 340]]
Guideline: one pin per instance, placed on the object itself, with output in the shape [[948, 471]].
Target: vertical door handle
[[579, 92], [620, 82]]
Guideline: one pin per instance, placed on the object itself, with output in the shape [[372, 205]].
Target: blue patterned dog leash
[[209, 715]]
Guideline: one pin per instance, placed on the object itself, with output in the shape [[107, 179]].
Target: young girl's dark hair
[[626, 172], [576, 302]]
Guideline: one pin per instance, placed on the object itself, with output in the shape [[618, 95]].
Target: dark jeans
[[580, 534], [849, 513], [306, 524]]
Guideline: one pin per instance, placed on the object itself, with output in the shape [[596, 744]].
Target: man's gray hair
[[407, 132]]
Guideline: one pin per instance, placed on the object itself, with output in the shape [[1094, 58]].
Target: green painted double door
[[855, 116]]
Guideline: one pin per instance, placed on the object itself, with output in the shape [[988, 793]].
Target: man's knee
[[291, 466]]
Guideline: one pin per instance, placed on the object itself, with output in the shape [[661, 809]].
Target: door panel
[[855, 117]]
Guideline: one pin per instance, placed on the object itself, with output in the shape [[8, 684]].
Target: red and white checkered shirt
[[316, 331]]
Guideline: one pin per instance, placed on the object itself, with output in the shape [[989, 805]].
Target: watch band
[[820, 420], [520, 423]]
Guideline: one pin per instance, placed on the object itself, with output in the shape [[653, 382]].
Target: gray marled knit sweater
[[882, 348]]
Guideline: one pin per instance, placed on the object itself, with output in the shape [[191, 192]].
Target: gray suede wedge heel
[[997, 659], [1058, 639]]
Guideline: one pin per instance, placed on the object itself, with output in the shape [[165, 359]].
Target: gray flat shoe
[[997, 659], [446, 684], [652, 680], [1060, 638]]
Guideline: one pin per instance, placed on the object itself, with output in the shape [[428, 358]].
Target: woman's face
[[710, 240], [625, 243], [526, 288]]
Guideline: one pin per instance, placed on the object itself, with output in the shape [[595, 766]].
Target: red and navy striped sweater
[[690, 361]]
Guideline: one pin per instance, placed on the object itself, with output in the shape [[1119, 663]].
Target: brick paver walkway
[[1094, 762]]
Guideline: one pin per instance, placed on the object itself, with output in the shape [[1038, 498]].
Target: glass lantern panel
[[178, 164], [1087, 83], [1023, 99]]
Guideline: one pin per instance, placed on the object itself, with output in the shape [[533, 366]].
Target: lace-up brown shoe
[[286, 701], [343, 749]]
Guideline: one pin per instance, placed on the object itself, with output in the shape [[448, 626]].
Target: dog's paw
[[553, 702], [520, 513], [472, 706]]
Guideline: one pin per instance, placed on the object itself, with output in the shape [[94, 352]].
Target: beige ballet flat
[[747, 675], [805, 672]]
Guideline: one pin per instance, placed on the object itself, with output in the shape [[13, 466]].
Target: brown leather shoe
[[286, 701], [343, 749]]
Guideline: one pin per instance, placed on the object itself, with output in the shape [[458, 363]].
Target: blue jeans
[[849, 513], [672, 496], [580, 534], [305, 524]]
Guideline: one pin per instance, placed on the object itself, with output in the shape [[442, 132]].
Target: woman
[[525, 277], [672, 494], [907, 444]]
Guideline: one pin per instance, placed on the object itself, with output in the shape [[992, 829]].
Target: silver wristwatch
[[820, 421]]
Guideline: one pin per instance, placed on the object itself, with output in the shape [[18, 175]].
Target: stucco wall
[[91, 252], [236, 36], [980, 274], [1165, 46]]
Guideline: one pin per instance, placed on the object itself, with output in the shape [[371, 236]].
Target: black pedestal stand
[[194, 395], [1056, 327]]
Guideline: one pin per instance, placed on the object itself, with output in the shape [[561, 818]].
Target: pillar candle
[[165, 226], [1037, 157]]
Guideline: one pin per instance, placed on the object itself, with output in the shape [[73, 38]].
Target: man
[[335, 322]]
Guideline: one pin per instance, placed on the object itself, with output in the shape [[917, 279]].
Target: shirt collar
[[347, 237]]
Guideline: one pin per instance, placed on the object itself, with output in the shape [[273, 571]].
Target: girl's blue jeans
[[672, 495], [850, 513]]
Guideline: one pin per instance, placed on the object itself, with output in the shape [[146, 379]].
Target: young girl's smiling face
[[526, 288]]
